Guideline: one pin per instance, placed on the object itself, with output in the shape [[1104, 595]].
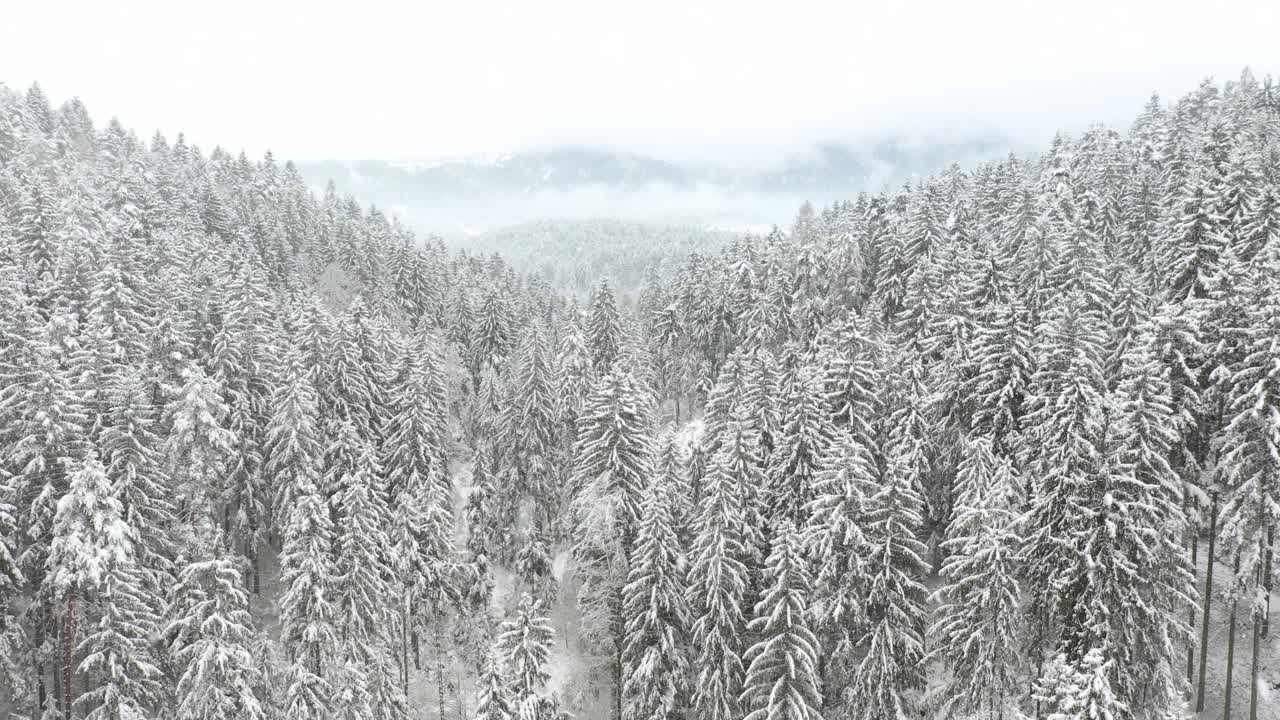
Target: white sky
[[417, 78]]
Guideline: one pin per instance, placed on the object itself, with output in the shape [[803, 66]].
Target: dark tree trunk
[[41, 696], [439, 643], [1208, 599], [413, 635], [1266, 581], [1253, 667], [404, 650], [1191, 641], [1231, 649]]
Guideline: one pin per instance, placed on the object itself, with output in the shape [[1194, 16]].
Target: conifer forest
[[999, 443]]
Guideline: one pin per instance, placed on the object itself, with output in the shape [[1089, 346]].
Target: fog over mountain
[[463, 196]]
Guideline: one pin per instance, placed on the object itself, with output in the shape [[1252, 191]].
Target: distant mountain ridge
[[467, 195]]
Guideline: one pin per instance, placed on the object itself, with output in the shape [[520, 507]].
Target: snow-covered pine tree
[[783, 680], [292, 451], [977, 621], [491, 700], [1064, 437], [363, 559], [613, 461], [530, 463], [117, 649], [657, 615], [890, 675], [1148, 522], [525, 645], [717, 584], [806, 434], [131, 452], [1078, 691], [604, 333], [308, 573], [837, 547], [308, 696], [91, 553], [198, 447], [209, 634]]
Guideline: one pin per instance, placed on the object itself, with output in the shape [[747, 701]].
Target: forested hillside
[[1003, 442], [572, 255]]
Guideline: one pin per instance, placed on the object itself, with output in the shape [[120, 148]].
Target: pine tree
[[307, 571], [783, 680], [838, 547], [1066, 430], [292, 451], [525, 644], [131, 451], [308, 695], [806, 433], [117, 649], [90, 546], [657, 616], [1079, 691], [492, 701], [1145, 517], [891, 672], [613, 459], [210, 630], [977, 620], [604, 329], [363, 559], [198, 446], [530, 463], [717, 587]]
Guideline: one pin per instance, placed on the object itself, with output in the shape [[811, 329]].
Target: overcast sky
[[314, 79]]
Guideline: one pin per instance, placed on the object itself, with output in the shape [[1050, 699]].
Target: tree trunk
[[617, 684], [1208, 599], [677, 408], [1253, 667], [404, 650], [1266, 581], [1231, 648], [413, 636], [68, 651], [56, 672], [39, 654], [1191, 641], [439, 638]]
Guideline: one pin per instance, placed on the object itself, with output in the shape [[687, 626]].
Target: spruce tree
[[716, 591], [604, 329], [890, 675], [838, 548], [613, 460], [977, 622], [491, 703], [525, 644], [210, 630], [806, 433], [308, 573], [782, 681], [656, 612]]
